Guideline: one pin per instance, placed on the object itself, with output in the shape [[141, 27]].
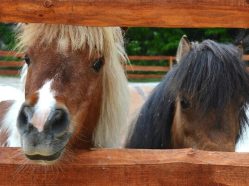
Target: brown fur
[[205, 134], [4, 106], [78, 87]]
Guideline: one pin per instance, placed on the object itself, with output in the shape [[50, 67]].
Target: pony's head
[[200, 103], [75, 89], [211, 94]]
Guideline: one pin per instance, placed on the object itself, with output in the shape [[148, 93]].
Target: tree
[[145, 41], [161, 41]]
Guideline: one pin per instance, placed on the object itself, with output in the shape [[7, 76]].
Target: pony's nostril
[[59, 121], [59, 114], [24, 117]]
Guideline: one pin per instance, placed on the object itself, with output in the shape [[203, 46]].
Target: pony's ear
[[183, 48], [242, 41]]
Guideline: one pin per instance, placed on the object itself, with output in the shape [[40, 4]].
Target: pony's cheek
[[182, 132]]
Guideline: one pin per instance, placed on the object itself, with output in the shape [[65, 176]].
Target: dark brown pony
[[201, 103], [76, 94]]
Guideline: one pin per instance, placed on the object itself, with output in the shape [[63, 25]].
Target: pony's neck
[[84, 136]]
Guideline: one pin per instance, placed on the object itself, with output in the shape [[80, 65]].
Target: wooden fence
[[130, 167], [148, 13], [12, 68], [149, 71]]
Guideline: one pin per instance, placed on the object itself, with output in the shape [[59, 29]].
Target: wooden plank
[[146, 68], [150, 76], [148, 58], [10, 53], [145, 76], [9, 72], [129, 167], [11, 64], [150, 13], [246, 57]]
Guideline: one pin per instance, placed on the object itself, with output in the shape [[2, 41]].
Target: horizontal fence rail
[[148, 71], [132, 13], [145, 71], [7, 53], [10, 67], [129, 167]]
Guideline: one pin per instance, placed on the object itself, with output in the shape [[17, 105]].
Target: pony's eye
[[27, 59], [98, 64], [185, 104]]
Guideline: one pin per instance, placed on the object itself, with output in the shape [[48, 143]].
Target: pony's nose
[[24, 117], [58, 122]]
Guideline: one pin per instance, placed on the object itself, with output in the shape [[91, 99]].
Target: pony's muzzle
[[43, 139]]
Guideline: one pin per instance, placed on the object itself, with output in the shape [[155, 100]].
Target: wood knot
[[48, 4]]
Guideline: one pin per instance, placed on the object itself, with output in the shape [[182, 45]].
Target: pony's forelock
[[212, 70], [108, 42]]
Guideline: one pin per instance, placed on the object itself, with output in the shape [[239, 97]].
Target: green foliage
[[145, 41], [161, 41], [152, 41], [7, 41]]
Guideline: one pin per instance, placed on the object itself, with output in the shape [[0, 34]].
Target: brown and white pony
[[75, 96]]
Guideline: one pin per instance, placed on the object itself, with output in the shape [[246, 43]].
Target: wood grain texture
[[9, 72], [6, 53], [130, 167], [134, 68], [130, 13], [11, 64], [145, 76], [150, 58]]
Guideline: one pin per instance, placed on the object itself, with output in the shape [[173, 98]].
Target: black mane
[[211, 74]]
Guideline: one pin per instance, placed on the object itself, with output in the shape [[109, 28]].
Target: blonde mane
[[108, 41]]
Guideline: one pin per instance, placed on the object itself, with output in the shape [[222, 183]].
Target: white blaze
[[46, 102]]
